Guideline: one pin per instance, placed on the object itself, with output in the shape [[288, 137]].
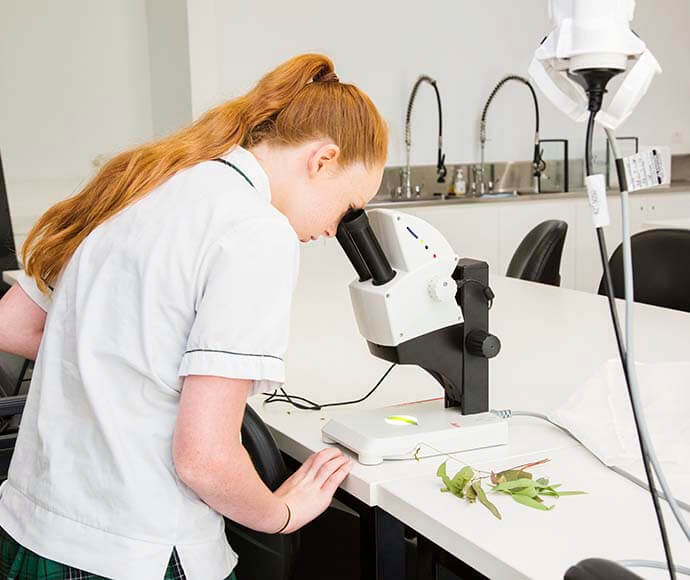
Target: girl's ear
[[323, 157]]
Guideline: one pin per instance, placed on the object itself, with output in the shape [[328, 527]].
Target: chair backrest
[[8, 254], [661, 268], [13, 372], [599, 569], [9, 408], [263, 555], [538, 257]]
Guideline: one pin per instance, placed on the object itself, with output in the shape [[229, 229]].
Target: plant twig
[[448, 455], [528, 465]]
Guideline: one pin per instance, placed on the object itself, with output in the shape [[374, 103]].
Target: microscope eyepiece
[[363, 249]]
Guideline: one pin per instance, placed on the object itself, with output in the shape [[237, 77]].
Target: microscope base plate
[[397, 432]]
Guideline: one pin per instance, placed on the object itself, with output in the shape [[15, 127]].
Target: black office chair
[[263, 555], [280, 557], [8, 254], [538, 257], [599, 569], [10, 380], [661, 269], [11, 409], [15, 371]]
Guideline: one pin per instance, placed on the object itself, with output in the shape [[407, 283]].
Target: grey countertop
[[678, 187]]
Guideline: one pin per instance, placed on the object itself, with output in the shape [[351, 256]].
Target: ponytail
[[301, 99]]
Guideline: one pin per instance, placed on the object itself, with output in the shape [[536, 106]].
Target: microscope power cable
[[307, 405], [652, 564], [508, 413]]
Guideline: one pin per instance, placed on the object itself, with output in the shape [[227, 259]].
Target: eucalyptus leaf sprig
[[516, 482]]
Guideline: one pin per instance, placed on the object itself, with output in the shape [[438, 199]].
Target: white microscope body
[[407, 306]]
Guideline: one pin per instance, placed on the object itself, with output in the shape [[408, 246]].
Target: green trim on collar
[[249, 181]]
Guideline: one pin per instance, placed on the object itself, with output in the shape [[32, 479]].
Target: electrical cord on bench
[[307, 405]]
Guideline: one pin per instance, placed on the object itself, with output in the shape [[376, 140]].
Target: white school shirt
[[195, 278]]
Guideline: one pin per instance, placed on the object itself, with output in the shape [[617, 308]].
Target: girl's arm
[[210, 459], [21, 323]]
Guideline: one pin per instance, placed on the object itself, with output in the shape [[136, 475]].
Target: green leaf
[[467, 472], [477, 487], [561, 493], [452, 485], [458, 481], [529, 491], [531, 502], [441, 472], [543, 482], [512, 475], [470, 493], [548, 488], [517, 483]]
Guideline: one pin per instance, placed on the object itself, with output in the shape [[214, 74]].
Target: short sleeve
[[28, 284], [244, 297]]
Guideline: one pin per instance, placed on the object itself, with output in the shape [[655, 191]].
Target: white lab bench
[[552, 340], [615, 520], [10, 276]]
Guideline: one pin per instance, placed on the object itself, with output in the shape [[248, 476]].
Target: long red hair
[[300, 100]]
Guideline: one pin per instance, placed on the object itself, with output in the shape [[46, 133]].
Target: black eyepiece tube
[[352, 252], [363, 249]]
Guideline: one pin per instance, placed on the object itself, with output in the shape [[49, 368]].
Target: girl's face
[[320, 204], [312, 190]]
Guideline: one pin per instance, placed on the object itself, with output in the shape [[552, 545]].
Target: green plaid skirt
[[18, 563]]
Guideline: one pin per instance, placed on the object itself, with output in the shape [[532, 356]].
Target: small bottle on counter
[[459, 185]]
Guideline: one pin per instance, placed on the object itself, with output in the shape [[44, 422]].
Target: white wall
[[168, 47], [467, 46], [204, 51], [74, 84]]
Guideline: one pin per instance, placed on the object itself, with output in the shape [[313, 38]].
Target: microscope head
[[413, 305], [405, 287]]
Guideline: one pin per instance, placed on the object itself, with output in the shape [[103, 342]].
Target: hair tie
[[326, 77]]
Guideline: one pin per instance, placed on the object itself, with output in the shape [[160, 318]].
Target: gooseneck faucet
[[441, 170], [537, 162]]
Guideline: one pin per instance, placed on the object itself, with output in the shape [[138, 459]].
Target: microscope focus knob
[[480, 343], [442, 288]]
